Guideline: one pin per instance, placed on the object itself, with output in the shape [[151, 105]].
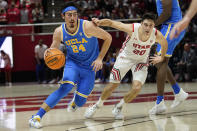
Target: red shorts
[[7, 68]]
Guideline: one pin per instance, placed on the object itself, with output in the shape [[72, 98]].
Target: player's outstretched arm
[[128, 28], [56, 38], [164, 46], [92, 30], [183, 24]]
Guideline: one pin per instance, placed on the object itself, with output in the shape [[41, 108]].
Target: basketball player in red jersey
[[134, 55]]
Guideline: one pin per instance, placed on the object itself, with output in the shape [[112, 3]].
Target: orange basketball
[[54, 58]]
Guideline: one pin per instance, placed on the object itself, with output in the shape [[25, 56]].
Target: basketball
[[54, 58]]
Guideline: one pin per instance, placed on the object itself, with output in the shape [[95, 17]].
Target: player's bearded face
[[148, 26], [71, 18]]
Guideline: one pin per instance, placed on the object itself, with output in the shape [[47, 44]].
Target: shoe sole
[[160, 112], [34, 126], [89, 117]]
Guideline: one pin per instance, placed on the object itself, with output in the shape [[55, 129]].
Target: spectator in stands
[[45, 7], [7, 67], [24, 14], [17, 3], [27, 3], [3, 4], [101, 4], [13, 14], [110, 5], [121, 14], [92, 4], [191, 66], [114, 14], [40, 64], [104, 14], [37, 16], [3, 16], [83, 5], [108, 64], [186, 63]]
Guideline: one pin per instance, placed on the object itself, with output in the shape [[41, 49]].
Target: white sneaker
[[72, 107], [179, 98], [117, 113], [52, 81], [158, 108], [35, 121], [90, 111]]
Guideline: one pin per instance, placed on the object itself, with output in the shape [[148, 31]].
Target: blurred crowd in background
[[183, 61]]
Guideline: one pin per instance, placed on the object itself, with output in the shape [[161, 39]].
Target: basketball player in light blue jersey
[[83, 60], [169, 14]]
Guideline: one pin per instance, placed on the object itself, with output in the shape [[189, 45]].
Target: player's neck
[[71, 30]]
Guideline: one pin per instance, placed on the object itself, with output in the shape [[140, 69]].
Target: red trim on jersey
[[140, 66], [155, 31], [133, 27], [137, 67], [124, 44], [116, 74]]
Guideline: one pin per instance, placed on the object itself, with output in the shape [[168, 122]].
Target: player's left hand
[[155, 59], [179, 27], [97, 64], [96, 21]]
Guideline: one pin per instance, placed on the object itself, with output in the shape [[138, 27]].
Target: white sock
[[121, 103], [100, 102]]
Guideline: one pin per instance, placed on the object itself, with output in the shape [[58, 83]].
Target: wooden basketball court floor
[[20, 101]]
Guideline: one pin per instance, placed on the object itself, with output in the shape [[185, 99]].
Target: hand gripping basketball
[[54, 58]]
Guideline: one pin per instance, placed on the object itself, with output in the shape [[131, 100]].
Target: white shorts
[[123, 65]]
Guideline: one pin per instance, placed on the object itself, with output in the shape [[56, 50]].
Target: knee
[[80, 101], [164, 63], [137, 87], [66, 87]]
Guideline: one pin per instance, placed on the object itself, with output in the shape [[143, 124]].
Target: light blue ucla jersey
[[80, 48], [176, 14]]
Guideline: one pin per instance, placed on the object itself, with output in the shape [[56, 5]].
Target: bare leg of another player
[[180, 94], [163, 73], [132, 93], [139, 77]]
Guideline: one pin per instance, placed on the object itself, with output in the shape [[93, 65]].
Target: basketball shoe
[[72, 107], [158, 108], [117, 112], [90, 111], [179, 98], [35, 121]]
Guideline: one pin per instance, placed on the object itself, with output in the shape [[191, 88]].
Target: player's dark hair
[[69, 3], [2, 52], [149, 16]]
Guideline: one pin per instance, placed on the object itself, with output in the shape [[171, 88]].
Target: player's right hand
[[97, 64], [155, 59]]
